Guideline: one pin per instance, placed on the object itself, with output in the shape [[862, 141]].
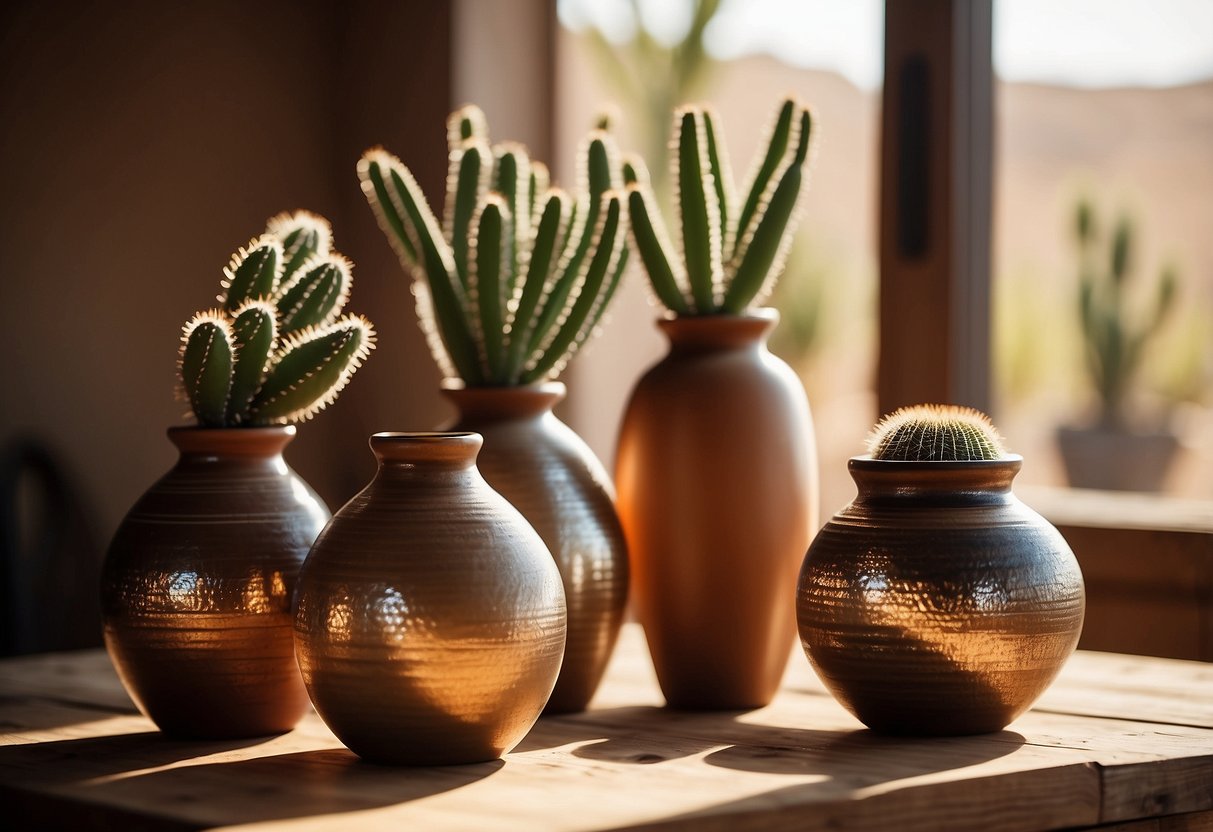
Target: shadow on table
[[127, 772]]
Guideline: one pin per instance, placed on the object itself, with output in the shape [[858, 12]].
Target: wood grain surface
[[1117, 740]]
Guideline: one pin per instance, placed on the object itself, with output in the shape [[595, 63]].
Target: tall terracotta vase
[[430, 619], [937, 602], [197, 586], [717, 479], [550, 475]]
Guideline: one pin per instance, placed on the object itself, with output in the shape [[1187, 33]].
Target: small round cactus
[[936, 433]]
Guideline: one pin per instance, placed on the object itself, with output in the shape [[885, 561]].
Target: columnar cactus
[[938, 433], [1114, 340], [518, 274], [729, 252], [275, 350]]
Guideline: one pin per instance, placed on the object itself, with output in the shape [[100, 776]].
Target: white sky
[[1088, 43]]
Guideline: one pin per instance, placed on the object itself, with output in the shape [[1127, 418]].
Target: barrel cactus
[[729, 251], [518, 274], [275, 349], [936, 433]]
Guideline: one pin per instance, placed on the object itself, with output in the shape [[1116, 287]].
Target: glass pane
[[1108, 106], [754, 52]]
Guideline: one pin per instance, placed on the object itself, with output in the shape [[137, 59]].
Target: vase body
[[430, 619], [553, 478], [717, 478], [937, 603], [197, 586]]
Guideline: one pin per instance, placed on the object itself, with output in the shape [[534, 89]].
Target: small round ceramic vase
[[430, 620], [197, 585], [937, 603], [549, 474], [717, 478]]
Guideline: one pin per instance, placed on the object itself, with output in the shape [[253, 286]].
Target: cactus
[[1114, 338], [937, 433], [275, 350], [518, 274], [729, 254]]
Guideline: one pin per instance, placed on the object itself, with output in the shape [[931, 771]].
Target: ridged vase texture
[[937, 603], [198, 581], [549, 474], [717, 478], [430, 621]]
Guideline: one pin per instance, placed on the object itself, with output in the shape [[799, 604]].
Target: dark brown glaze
[[197, 585], [717, 479], [937, 602], [430, 618], [549, 474]]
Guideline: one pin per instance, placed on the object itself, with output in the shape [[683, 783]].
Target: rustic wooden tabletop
[[1118, 740]]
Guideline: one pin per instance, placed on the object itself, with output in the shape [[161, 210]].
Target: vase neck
[[482, 405], [407, 453], [713, 333], [980, 481], [201, 444]]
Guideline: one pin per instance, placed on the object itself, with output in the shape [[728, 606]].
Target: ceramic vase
[[937, 603], [197, 586], [430, 621], [717, 478], [549, 474]]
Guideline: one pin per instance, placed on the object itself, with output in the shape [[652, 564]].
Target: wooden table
[[1118, 740]]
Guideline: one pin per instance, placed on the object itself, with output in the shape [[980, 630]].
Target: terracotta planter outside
[[717, 479], [196, 588], [937, 602], [549, 474], [1116, 460], [430, 619]]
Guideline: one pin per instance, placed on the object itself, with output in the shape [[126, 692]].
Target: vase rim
[[459, 447], [503, 403], [264, 440], [711, 332]]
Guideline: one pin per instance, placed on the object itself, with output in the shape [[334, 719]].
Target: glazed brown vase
[[430, 619], [937, 603], [197, 584], [550, 475], [717, 478]]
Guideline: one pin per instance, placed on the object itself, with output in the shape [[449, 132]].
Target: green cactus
[[275, 350], [729, 255], [936, 433], [518, 274], [1114, 337]]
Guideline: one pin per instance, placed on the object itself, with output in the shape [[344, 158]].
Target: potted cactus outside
[[936, 602], [509, 285], [1113, 453], [716, 467], [197, 584]]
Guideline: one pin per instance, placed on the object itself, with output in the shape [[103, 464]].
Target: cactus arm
[[466, 123], [761, 254], [722, 176], [374, 188], [595, 176], [304, 235], [541, 181], [254, 272], [254, 333], [489, 256], [467, 185], [512, 173], [548, 239], [781, 136], [608, 244], [316, 295], [700, 213], [310, 369], [206, 366], [652, 244]]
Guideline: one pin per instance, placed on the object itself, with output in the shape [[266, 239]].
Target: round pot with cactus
[[937, 603], [716, 466], [1114, 453], [198, 582], [509, 285]]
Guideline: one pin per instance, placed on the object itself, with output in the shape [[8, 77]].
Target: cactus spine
[[275, 351], [936, 433], [518, 274], [1114, 340], [728, 255]]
